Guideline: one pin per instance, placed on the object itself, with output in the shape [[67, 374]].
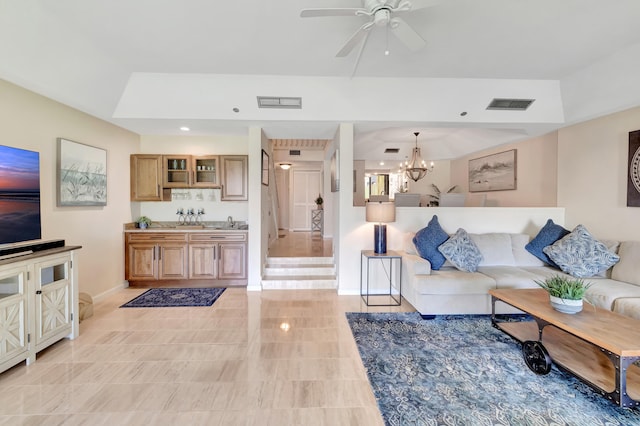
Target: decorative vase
[[566, 306]]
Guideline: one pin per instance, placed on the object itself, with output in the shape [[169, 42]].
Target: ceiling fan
[[383, 14]]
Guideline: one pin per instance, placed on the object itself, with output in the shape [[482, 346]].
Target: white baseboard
[[105, 294]]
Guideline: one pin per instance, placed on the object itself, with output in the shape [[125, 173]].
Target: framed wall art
[[335, 171], [265, 168], [633, 170], [495, 172], [81, 174]]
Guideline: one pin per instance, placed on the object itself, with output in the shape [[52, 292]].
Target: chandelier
[[417, 168]]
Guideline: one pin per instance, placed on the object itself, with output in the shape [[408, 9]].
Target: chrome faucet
[[230, 222]]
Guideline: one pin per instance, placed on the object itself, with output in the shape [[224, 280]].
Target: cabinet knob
[[38, 291]]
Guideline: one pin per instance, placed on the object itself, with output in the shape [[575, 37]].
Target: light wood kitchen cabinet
[[218, 255], [206, 171], [156, 256], [234, 178], [178, 171], [146, 177]]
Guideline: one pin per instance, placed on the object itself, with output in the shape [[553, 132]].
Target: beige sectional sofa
[[507, 264]]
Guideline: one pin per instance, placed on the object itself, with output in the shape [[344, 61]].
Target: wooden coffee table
[[596, 345]]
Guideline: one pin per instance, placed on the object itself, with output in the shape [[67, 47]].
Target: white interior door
[[304, 190]]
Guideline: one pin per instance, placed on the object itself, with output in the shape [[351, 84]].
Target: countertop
[[176, 227]]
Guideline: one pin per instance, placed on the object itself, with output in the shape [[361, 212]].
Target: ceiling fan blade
[[362, 46], [356, 38], [315, 13], [406, 34]]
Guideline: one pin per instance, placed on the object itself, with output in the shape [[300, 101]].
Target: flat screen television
[[19, 196]]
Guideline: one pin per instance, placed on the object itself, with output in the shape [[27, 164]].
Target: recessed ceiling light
[[236, 109], [185, 128], [382, 163], [463, 113]]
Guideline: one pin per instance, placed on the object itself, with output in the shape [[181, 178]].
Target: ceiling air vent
[[279, 102], [392, 150], [294, 152], [510, 104]]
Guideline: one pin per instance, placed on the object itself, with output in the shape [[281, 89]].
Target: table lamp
[[381, 212]]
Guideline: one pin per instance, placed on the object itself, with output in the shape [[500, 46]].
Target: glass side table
[[381, 278]]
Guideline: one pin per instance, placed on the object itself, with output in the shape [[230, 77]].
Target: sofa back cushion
[[521, 255], [628, 268], [495, 248]]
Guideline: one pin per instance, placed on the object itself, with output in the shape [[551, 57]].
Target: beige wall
[[536, 174], [592, 176], [34, 122]]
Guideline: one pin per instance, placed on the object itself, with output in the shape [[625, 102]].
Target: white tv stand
[[38, 302]]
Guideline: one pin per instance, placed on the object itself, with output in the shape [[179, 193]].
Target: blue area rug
[[169, 297], [457, 370]]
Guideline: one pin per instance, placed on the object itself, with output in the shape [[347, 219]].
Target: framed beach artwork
[[495, 172], [82, 174]]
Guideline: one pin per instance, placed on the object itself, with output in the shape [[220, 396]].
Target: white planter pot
[[566, 306]]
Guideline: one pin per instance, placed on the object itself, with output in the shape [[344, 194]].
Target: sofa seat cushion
[[453, 281], [628, 306], [628, 269], [495, 248], [544, 272], [510, 276], [603, 292]]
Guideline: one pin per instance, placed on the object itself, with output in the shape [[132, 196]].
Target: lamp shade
[[381, 212]]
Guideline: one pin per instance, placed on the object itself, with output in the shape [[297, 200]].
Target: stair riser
[[300, 260], [299, 284], [270, 272]]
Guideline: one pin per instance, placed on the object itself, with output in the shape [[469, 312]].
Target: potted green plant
[[319, 202], [143, 222], [565, 293]]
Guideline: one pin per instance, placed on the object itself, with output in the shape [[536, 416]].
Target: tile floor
[[253, 358]]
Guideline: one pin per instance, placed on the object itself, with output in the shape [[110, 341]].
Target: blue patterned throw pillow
[[549, 234], [427, 241], [581, 255], [461, 251]]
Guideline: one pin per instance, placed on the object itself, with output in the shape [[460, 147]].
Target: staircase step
[[304, 270], [298, 283], [299, 260]]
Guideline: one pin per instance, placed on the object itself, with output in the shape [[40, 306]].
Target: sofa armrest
[[415, 265]]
